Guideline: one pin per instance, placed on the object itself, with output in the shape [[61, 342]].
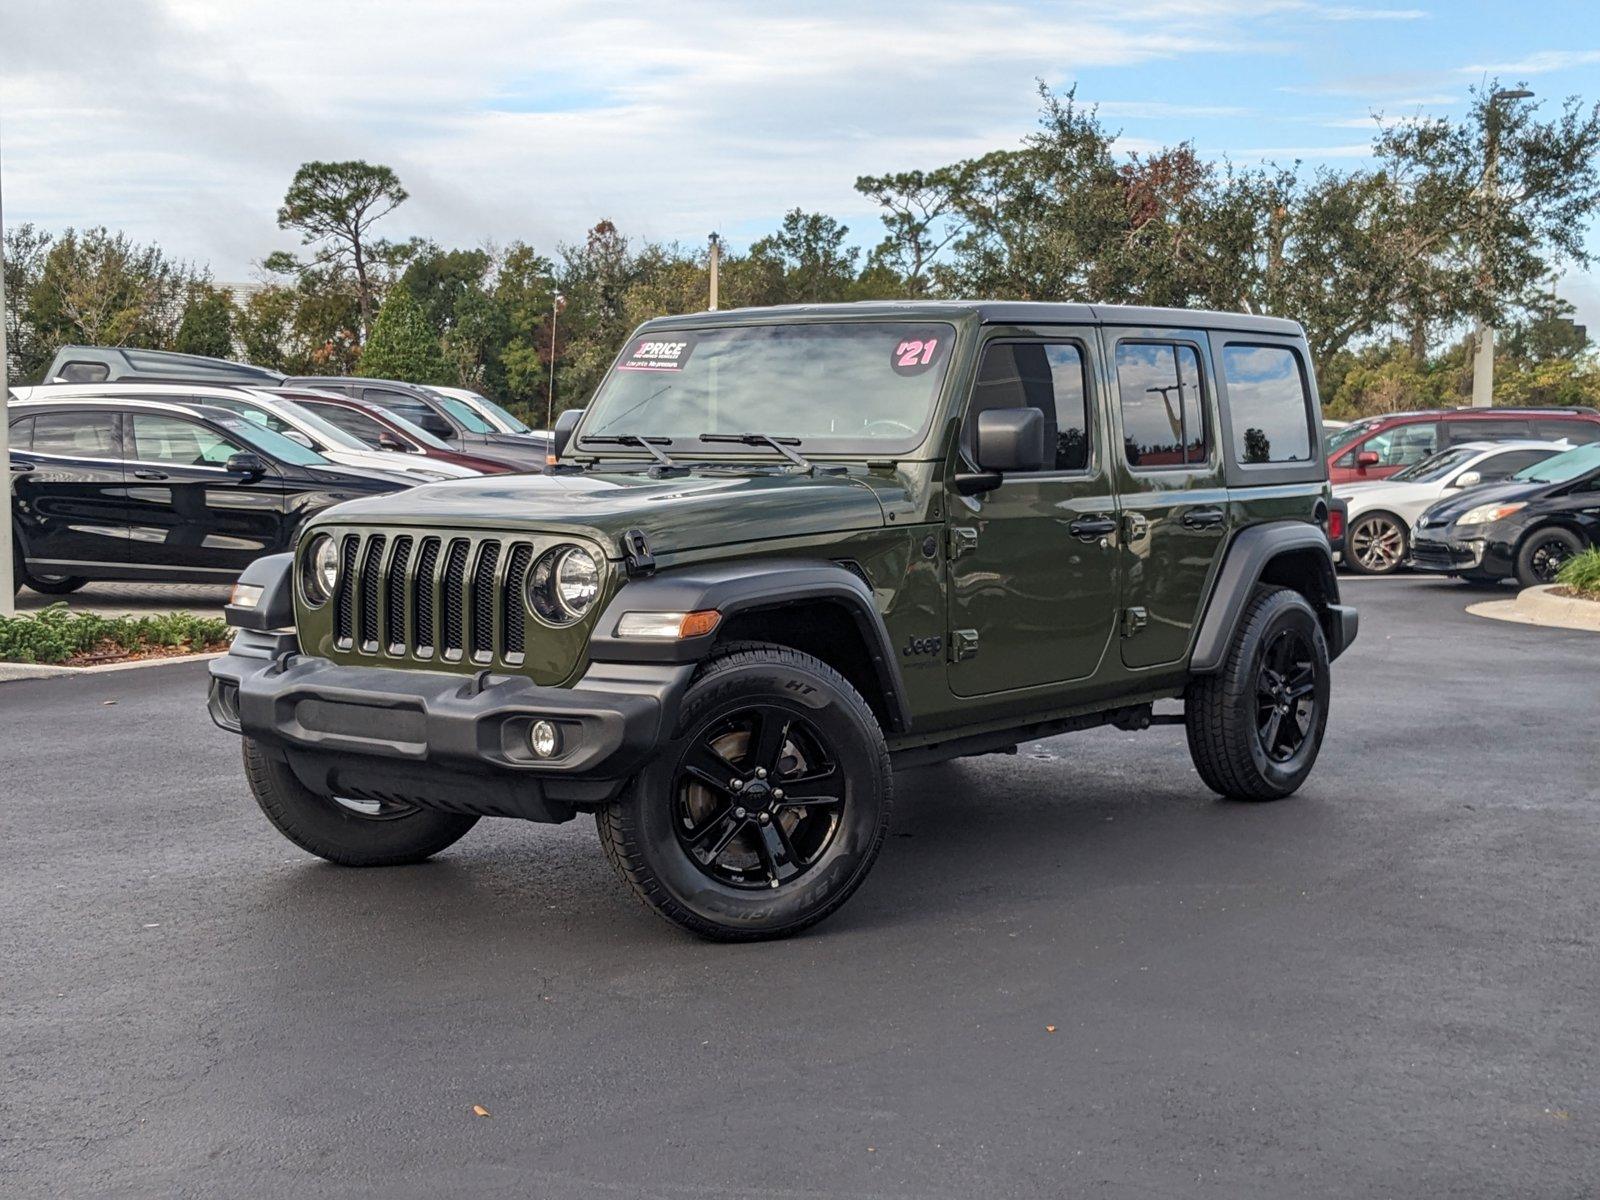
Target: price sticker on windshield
[[658, 352], [914, 355]]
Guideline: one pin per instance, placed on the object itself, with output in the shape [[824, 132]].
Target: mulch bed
[[109, 652]]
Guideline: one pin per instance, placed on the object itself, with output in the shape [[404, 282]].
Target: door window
[[411, 409], [21, 436], [357, 424], [1048, 376], [179, 442], [1402, 445], [1579, 433], [1163, 405], [75, 434], [1267, 404], [1504, 466]]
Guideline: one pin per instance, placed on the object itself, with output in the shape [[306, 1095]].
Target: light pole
[[557, 303], [716, 260], [1483, 349], [7, 584]]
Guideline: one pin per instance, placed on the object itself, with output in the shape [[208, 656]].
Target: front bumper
[[1439, 553], [441, 740]]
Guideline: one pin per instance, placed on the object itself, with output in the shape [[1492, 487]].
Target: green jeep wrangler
[[786, 551]]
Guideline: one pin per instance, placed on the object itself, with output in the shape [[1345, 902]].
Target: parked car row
[[1378, 447], [172, 468]]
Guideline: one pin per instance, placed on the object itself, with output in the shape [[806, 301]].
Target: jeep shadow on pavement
[[788, 550]]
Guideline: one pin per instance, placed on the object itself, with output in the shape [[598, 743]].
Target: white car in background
[[486, 408], [272, 412], [1377, 538]]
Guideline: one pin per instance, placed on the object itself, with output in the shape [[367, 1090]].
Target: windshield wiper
[[780, 444], [663, 462]]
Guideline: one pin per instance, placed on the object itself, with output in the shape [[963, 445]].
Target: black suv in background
[[167, 493]]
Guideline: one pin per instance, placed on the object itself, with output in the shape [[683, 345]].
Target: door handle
[[151, 475], [1204, 518], [1092, 528], [21, 468]]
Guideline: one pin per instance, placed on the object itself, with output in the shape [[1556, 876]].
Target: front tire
[[767, 810], [56, 585], [1543, 553], [1255, 726], [341, 831]]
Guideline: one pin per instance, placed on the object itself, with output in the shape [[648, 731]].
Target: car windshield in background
[[866, 386], [274, 445], [1431, 470], [512, 424], [1563, 466], [275, 423], [1337, 439], [463, 412]]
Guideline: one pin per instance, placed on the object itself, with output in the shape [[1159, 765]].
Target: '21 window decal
[[914, 355]]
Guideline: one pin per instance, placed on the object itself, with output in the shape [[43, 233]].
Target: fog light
[[543, 739]]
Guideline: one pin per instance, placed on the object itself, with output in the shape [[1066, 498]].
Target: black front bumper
[[441, 740], [1483, 556]]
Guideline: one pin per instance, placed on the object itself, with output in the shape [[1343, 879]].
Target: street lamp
[[1483, 352], [557, 303], [7, 584]]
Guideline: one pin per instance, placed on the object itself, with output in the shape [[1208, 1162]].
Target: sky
[[182, 121]]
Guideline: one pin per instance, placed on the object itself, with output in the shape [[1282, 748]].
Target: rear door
[[187, 511], [1171, 485], [1033, 563], [66, 479]]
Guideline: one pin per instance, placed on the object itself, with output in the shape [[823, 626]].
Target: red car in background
[[383, 430], [1377, 447]]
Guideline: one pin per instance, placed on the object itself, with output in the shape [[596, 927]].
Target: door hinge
[[636, 554], [1133, 620], [963, 540], [1134, 526], [963, 644]]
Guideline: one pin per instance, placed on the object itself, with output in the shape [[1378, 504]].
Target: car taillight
[[1335, 524]]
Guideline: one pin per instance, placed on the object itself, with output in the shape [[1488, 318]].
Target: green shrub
[[1581, 573], [56, 634]]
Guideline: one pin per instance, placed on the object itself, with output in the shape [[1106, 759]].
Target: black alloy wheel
[[1546, 555], [1286, 694], [758, 797]]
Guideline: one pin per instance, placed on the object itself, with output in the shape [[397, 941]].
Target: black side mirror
[[562, 433], [1007, 439], [245, 463]]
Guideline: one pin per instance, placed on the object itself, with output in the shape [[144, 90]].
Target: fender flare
[[274, 609], [1244, 561], [743, 586]]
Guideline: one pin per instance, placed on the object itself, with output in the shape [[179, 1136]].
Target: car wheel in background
[[1376, 545], [56, 585], [1542, 554]]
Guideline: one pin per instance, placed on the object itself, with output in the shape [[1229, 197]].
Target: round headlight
[[321, 574], [563, 584]]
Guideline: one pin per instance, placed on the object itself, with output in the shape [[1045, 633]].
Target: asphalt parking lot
[[1386, 986]]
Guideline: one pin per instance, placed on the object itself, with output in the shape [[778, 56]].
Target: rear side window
[[1579, 433], [1163, 405], [75, 434], [1048, 376], [1489, 430], [21, 437], [84, 372], [1267, 404]]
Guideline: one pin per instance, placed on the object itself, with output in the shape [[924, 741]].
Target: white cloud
[[1540, 63]]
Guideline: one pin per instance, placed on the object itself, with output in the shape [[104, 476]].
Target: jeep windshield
[[862, 387]]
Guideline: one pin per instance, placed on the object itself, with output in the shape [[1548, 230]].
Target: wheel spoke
[[809, 800], [712, 838], [1269, 735], [710, 768], [777, 855], [1302, 682], [767, 737]]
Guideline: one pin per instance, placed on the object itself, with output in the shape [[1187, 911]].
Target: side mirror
[[245, 463], [1367, 458], [294, 435], [388, 441], [1007, 439], [562, 433], [1467, 479]]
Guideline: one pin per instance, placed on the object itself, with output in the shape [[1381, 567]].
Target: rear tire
[[1377, 544], [390, 836], [766, 811], [56, 585], [1255, 726], [1543, 552]]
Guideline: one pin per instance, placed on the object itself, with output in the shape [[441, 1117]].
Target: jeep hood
[[681, 512]]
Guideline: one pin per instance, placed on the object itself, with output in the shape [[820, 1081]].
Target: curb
[[1540, 606], [10, 672]]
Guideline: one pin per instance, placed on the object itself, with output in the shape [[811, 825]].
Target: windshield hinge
[[636, 553]]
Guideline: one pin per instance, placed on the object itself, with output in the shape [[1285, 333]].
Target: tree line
[[1385, 265]]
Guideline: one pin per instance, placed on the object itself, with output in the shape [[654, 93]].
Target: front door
[[1175, 512], [186, 511], [1033, 563], [66, 481]]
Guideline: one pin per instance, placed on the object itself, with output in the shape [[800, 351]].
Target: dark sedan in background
[[168, 493], [380, 429], [1526, 527]]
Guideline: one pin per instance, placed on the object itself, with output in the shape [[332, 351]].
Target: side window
[[1048, 376], [182, 443], [1503, 466], [1579, 433], [83, 372], [1163, 405], [357, 425], [411, 409], [1404, 444], [1267, 404], [75, 434], [1489, 430], [21, 435]]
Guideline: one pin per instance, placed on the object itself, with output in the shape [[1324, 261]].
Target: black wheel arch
[[818, 607], [1289, 554]]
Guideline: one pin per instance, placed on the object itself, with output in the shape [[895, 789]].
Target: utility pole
[[7, 584], [1483, 333], [557, 303], [716, 261]]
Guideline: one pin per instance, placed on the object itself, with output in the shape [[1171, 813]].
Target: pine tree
[[207, 325], [403, 345]]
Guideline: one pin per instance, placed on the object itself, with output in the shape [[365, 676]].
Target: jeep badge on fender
[[724, 622]]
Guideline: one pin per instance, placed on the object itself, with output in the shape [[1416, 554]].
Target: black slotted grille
[[422, 596], [453, 595]]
